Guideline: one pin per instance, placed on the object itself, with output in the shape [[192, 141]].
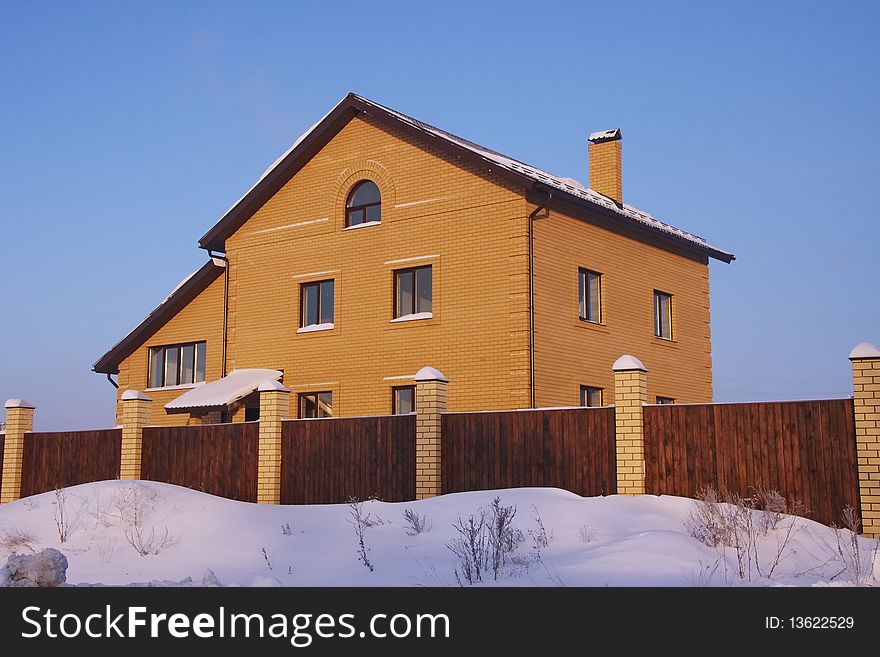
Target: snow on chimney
[[605, 164]]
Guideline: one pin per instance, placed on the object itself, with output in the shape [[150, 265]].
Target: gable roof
[[187, 290], [536, 182]]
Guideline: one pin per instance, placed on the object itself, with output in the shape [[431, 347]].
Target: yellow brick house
[[378, 244]]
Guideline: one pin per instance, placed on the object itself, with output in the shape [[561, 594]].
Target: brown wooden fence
[[67, 458], [566, 448], [220, 459], [328, 461], [806, 450]]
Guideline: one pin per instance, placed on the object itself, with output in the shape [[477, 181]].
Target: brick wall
[[570, 352]]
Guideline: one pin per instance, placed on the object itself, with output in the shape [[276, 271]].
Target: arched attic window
[[364, 204]]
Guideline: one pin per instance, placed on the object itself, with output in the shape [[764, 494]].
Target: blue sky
[[127, 129]]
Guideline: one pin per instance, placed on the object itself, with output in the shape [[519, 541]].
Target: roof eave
[[109, 362], [215, 238], [567, 202]]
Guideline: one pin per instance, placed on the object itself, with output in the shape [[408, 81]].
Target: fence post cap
[[131, 394], [18, 403], [626, 363], [864, 350], [272, 386], [430, 374]]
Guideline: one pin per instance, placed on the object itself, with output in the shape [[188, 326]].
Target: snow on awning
[[222, 392]]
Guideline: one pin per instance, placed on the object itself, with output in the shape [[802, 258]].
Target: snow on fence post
[[274, 405], [630, 394], [135, 416], [19, 421], [430, 405], [865, 359]]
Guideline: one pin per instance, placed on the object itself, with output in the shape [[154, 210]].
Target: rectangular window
[[591, 396], [178, 364], [316, 301], [662, 315], [665, 400], [403, 400], [413, 291], [590, 295], [316, 404]]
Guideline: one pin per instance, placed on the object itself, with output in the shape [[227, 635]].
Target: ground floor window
[[665, 400], [403, 400], [591, 396], [315, 404]]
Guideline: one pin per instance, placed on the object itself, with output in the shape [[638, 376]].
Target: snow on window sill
[[183, 386], [413, 317], [312, 328], [366, 224]]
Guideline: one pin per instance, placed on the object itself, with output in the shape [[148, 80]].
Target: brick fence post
[[274, 406], [430, 405], [19, 421], [135, 416], [865, 359], [630, 394]]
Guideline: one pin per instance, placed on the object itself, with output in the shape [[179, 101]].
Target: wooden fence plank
[[328, 461], [805, 450], [220, 459], [564, 448], [60, 459]]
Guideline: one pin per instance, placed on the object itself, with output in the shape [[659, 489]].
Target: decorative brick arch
[[363, 170]]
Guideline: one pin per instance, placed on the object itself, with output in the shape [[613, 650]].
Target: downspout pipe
[[225, 260], [532, 218], [112, 382]]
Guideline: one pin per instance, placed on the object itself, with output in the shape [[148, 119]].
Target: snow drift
[[142, 533]]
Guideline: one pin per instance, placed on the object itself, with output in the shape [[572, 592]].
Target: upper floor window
[[590, 295], [412, 291], [591, 396], [176, 365], [316, 404], [403, 400], [662, 315], [364, 204], [665, 400], [316, 304]]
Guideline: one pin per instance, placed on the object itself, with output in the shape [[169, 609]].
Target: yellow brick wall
[[473, 231], [475, 234], [866, 387], [606, 169], [570, 352], [202, 319]]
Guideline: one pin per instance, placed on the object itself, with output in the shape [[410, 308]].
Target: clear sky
[[127, 129]]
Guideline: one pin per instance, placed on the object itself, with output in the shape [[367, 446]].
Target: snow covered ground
[[615, 540]]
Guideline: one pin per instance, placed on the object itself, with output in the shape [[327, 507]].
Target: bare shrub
[[415, 524], [266, 558], [470, 547], [486, 541], [706, 521], [360, 522], [586, 533], [146, 542], [62, 522], [504, 538], [14, 540], [135, 505], [858, 565], [285, 529], [540, 538], [729, 520]]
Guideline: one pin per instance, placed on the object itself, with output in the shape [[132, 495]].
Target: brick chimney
[[605, 167]]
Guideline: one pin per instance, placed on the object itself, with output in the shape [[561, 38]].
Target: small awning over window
[[222, 392]]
